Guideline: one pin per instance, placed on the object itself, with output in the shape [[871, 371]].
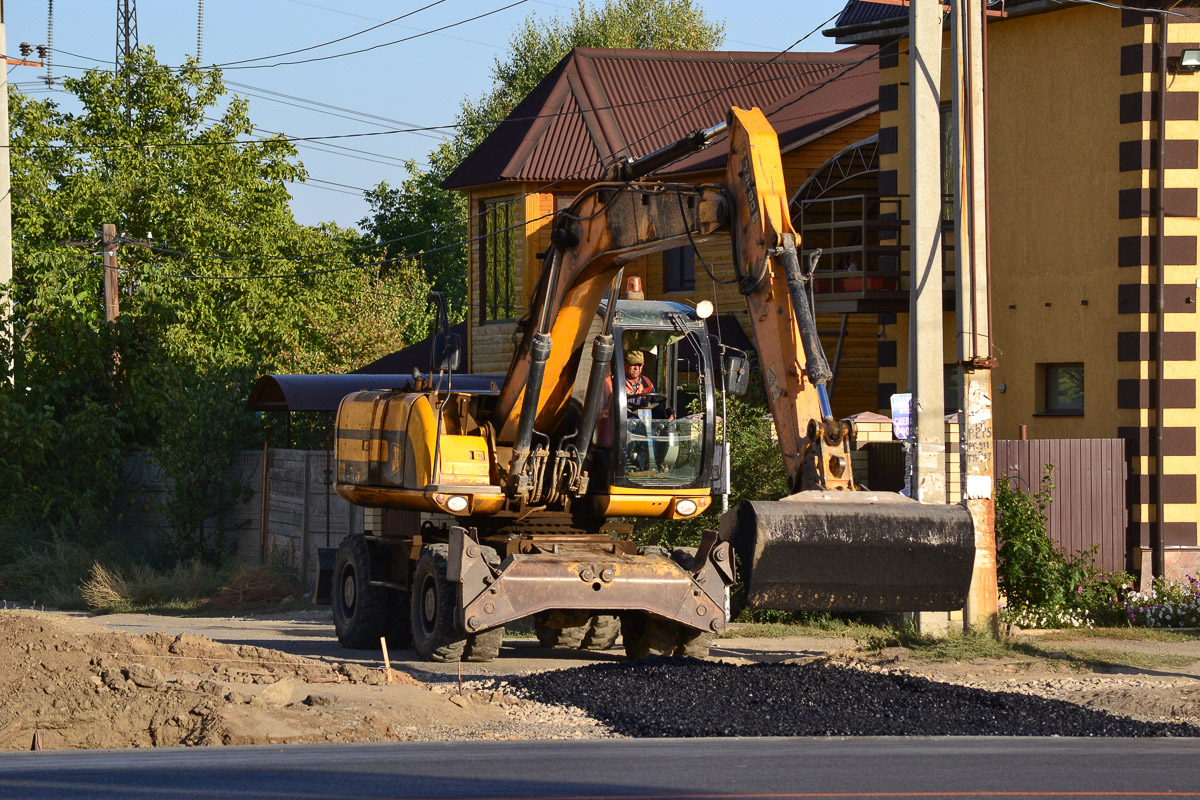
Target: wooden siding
[[802, 162], [857, 377]]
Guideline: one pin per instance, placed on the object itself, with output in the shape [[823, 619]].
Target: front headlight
[[685, 507], [457, 503]]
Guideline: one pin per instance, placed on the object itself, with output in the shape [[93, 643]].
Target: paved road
[[310, 633], [661, 768]]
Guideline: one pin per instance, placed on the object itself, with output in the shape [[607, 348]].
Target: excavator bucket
[[852, 551]]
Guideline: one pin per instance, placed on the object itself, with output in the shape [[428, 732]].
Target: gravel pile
[[684, 697]]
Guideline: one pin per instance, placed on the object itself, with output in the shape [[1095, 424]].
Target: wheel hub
[[429, 605], [348, 591]]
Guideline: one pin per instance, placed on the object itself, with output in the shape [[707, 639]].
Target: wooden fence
[[296, 522], [303, 511], [1088, 507], [143, 489]]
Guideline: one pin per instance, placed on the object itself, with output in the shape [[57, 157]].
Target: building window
[[496, 261], [679, 269], [1063, 389]]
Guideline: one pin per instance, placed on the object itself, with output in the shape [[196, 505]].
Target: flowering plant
[[1166, 604]]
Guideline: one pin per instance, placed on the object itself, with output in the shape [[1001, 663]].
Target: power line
[[373, 19], [342, 150], [334, 41], [367, 118], [384, 44]]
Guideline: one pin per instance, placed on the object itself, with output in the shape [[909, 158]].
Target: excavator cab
[[662, 403]]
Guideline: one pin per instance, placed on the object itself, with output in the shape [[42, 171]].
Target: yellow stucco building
[[1074, 115]]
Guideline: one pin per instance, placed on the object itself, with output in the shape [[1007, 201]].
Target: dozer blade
[[852, 551]]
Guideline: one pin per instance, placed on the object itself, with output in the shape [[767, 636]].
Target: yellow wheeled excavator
[[528, 482]]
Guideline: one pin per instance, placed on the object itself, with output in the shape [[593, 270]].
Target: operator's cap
[[635, 357]]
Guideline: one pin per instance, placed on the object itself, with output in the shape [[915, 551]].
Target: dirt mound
[[65, 690]]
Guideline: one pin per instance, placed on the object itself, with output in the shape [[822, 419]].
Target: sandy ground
[[75, 681]]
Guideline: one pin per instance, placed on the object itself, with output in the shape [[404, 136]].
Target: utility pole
[[927, 481], [127, 42], [5, 200], [975, 355], [112, 303]]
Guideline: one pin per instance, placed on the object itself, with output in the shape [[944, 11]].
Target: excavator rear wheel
[[561, 630], [363, 614], [602, 632], [435, 637], [648, 635]]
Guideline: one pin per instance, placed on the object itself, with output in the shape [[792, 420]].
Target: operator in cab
[[636, 383]]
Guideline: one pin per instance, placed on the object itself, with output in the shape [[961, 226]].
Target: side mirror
[[737, 374], [447, 352]]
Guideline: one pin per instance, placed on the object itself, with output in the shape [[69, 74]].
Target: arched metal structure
[[839, 212]]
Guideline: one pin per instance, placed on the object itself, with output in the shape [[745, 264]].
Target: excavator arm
[[829, 546]]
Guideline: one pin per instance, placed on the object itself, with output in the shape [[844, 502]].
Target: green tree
[[419, 216], [204, 200]]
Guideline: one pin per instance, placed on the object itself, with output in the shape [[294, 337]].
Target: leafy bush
[[1045, 587]]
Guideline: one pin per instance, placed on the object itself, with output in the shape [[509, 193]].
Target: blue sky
[[409, 84]]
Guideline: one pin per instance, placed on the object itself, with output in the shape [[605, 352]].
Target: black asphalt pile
[[680, 697]]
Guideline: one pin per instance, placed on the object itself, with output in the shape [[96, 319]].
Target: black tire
[[647, 635], [692, 643], [362, 614], [602, 632], [484, 646], [549, 635], [435, 637]]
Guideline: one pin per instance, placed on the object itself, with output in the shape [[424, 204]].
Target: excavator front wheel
[[433, 599]]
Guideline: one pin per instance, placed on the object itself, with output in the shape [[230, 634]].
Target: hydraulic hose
[[814, 355], [539, 355]]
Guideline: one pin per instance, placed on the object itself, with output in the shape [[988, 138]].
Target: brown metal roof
[[844, 97], [598, 103]]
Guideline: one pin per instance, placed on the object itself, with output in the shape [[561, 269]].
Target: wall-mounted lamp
[[1188, 61]]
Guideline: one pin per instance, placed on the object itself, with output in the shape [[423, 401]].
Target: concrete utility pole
[[975, 359], [112, 302], [5, 198], [927, 482]]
